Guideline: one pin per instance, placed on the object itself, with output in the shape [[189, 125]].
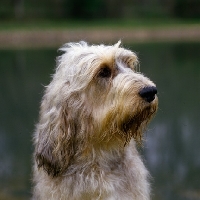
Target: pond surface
[[172, 147]]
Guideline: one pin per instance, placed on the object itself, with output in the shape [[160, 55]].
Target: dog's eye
[[105, 72]]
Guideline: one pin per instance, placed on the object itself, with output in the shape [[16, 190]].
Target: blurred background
[[165, 34], [87, 9]]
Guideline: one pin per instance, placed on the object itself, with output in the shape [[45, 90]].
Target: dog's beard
[[124, 128], [135, 125]]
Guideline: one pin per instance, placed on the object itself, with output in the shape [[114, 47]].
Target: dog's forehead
[[114, 51], [113, 54], [86, 56]]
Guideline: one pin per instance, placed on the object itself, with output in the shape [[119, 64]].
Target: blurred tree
[[93, 9], [59, 11], [86, 9], [18, 6], [114, 8], [187, 8]]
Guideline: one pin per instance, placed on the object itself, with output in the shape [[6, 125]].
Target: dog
[[92, 118]]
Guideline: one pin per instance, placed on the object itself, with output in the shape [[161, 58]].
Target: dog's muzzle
[[148, 93]]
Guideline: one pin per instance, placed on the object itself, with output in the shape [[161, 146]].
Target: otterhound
[[93, 115]]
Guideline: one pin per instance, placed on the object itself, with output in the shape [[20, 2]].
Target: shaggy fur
[[92, 116]]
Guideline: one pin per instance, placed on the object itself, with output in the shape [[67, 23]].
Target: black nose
[[148, 93]]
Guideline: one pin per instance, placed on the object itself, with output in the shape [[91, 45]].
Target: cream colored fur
[[91, 120]]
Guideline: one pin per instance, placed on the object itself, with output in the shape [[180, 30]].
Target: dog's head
[[96, 98]]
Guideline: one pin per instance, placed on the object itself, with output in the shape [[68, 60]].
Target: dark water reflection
[[173, 138]]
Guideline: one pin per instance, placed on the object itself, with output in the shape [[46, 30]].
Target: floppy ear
[[54, 140]]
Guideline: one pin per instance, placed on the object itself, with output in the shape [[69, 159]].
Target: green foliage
[[96, 9]]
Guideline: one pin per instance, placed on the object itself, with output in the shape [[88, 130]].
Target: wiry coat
[[91, 118]]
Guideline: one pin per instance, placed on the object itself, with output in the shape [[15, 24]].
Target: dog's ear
[[54, 141]]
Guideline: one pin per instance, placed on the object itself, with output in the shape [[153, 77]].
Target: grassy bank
[[36, 34], [93, 24]]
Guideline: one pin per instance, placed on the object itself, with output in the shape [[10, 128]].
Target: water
[[172, 147], [173, 139]]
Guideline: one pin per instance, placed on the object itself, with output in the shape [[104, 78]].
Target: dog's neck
[[100, 159]]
